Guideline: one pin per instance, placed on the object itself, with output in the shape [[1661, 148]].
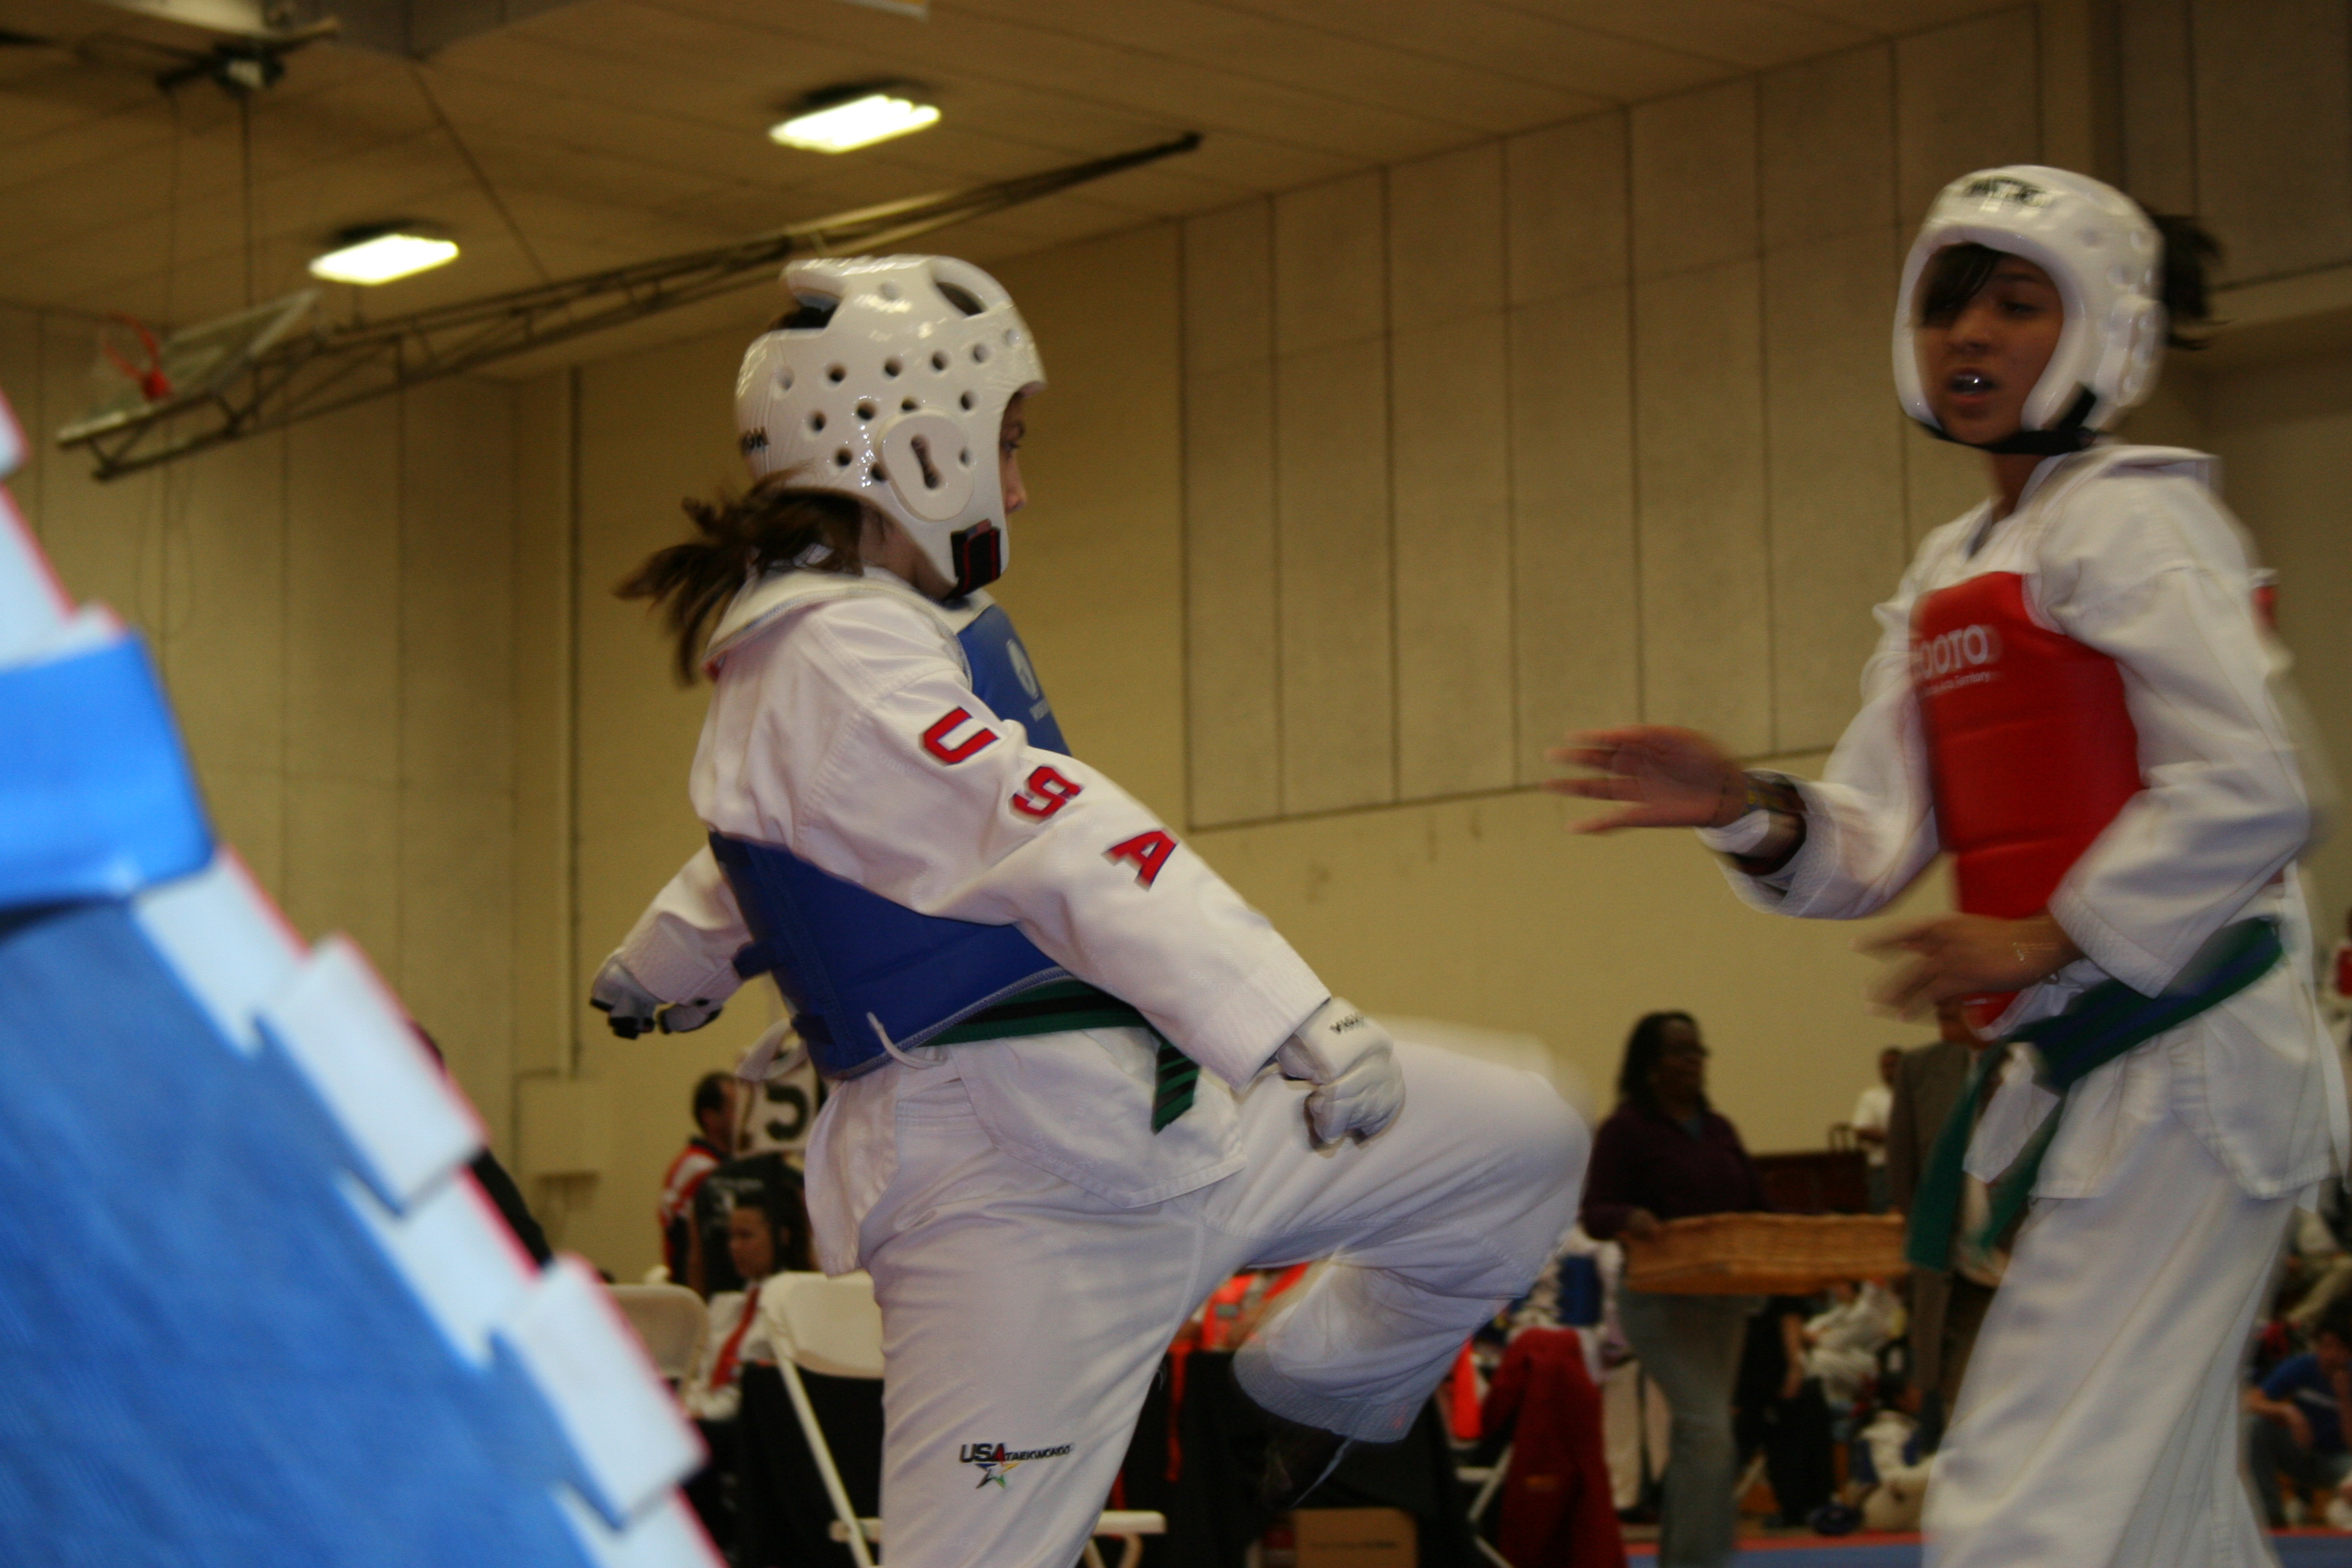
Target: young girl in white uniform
[[1015, 974], [2072, 695]]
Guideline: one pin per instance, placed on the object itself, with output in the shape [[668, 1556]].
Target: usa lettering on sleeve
[[935, 739], [1147, 851], [1047, 791]]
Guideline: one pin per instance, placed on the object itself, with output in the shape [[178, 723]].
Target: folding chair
[[1488, 1479], [832, 1327], [670, 1319]]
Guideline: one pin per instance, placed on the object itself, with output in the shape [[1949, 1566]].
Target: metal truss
[[300, 376]]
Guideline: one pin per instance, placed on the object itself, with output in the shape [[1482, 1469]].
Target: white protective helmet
[[2105, 257], [893, 390]]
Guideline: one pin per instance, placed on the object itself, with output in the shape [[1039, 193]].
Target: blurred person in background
[[711, 1147], [1665, 1154], [759, 1242], [1948, 1303], [2302, 1412], [1871, 1113]]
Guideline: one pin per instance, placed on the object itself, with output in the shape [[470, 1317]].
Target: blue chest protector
[[853, 963]]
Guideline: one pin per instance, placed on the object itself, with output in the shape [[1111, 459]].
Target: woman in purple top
[[1662, 1154]]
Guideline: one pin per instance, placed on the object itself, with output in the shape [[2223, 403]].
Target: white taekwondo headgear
[[893, 392], [2106, 258]]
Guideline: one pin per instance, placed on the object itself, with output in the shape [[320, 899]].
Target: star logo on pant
[[996, 1461]]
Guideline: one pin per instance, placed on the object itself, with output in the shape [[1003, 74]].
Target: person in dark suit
[[1946, 1307]]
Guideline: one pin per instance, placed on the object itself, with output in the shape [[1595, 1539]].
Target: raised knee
[[1542, 1141]]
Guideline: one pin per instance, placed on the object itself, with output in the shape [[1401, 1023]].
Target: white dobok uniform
[[1033, 1245], [2099, 1423]]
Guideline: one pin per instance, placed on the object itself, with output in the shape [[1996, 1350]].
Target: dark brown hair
[[772, 523], [1958, 273]]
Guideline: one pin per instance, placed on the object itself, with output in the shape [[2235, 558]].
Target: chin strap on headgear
[[890, 383], [2104, 255]]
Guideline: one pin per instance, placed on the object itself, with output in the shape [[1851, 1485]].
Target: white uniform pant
[[2098, 1425], [1024, 1313]]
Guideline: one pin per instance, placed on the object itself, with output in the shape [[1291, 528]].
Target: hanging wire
[[171, 219], [245, 148], [481, 178]]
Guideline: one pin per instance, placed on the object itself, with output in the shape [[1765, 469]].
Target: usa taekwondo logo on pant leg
[[996, 1461]]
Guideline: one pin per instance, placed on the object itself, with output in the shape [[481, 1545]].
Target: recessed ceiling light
[[859, 122], [381, 257]]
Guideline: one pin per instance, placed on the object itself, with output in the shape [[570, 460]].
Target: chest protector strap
[[852, 962]]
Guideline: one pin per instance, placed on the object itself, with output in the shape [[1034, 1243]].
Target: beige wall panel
[[455, 910], [1940, 480], [457, 585], [1232, 603], [2156, 87], [1331, 491], [224, 627], [1486, 911], [1567, 208], [1445, 237], [343, 598], [1839, 534], [1576, 590], [2284, 436], [1826, 162], [342, 864], [21, 385], [546, 998], [247, 808], [1454, 643], [1228, 288], [1694, 179], [1097, 583], [1698, 424], [107, 542], [1966, 97], [2275, 132], [1331, 243], [653, 427]]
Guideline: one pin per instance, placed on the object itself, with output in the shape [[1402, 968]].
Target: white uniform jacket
[[825, 686], [2127, 551]]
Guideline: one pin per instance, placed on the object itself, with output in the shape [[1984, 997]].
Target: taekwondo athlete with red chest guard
[[2075, 696], [1076, 1082]]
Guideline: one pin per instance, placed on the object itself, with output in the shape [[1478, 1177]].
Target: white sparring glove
[[1358, 1087], [632, 1010]]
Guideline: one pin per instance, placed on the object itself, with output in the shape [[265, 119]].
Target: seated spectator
[[1777, 1407], [714, 1122], [1891, 1465], [2300, 1410], [1841, 1344], [713, 1392]]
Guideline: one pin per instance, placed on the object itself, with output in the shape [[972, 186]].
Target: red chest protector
[[2031, 746]]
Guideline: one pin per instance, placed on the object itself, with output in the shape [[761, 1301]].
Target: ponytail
[[2190, 256], [773, 523]]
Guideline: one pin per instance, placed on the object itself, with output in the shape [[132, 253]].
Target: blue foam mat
[[208, 1358]]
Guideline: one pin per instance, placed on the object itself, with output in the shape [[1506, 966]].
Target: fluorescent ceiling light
[[860, 122], [383, 258]]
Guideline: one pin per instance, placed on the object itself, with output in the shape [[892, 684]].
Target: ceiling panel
[[616, 130]]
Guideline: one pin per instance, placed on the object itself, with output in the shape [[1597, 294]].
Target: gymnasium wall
[[334, 609]]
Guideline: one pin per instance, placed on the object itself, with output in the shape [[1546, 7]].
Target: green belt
[[1062, 1005], [2103, 1024]]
